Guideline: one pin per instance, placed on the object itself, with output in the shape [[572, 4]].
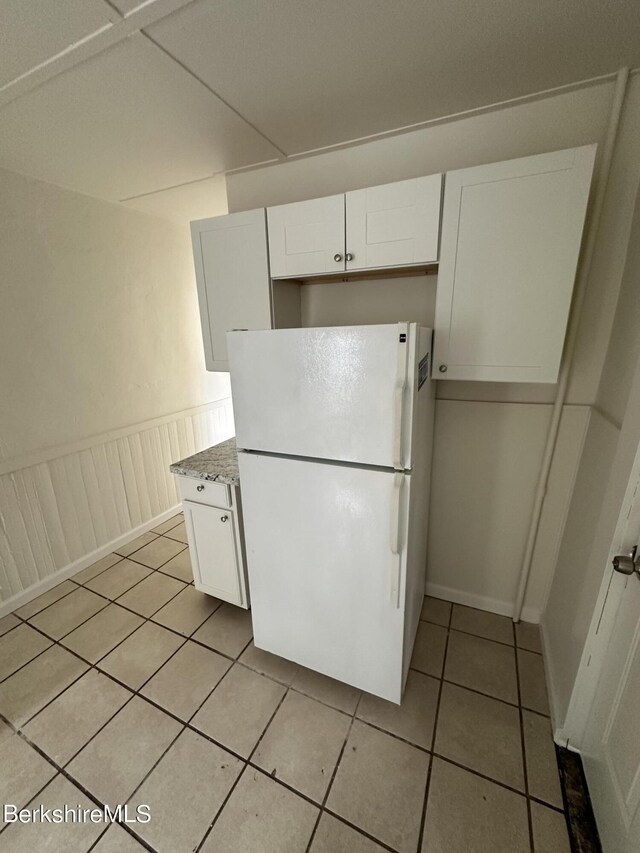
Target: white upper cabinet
[[307, 237], [511, 236], [391, 225], [394, 224], [232, 273]]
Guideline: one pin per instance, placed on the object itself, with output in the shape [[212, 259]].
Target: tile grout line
[[241, 774], [109, 602], [289, 688], [62, 768], [481, 693], [335, 771], [185, 638], [427, 786], [515, 644], [186, 725], [82, 584], [129, 610], [248, 762], [359, 830], [93, 665], [26, 620], [523, 748]]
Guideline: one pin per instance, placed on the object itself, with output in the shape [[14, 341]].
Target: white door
[[342, 393], [611, 746], [232, 273], [394, 224], [511, 236], [307, 237], [325, 583], [212, 548]]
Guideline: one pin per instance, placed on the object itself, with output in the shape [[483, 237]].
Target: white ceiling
[[118, 98], [31, 31], [125, 122], [197, 200]]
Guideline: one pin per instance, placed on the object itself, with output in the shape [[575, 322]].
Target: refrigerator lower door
[[343, 393], [326, 556]]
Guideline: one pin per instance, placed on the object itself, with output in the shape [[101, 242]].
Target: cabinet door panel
[[395, 224], [511, 236], [213, 551], [305, 236], [232, 272]]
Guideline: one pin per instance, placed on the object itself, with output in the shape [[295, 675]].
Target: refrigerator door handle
[[398, 480], [400, 385]]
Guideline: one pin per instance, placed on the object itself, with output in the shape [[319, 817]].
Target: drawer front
[[204, 491]]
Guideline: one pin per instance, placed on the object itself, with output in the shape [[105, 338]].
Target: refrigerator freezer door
[[326, 588], [343, 393]]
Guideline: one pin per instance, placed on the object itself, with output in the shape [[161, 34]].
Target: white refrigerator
[[334, 428]]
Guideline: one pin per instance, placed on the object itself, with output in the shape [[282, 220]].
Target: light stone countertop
[[218, 463]]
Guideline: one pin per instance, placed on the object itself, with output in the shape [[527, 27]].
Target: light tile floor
[[126, 685]]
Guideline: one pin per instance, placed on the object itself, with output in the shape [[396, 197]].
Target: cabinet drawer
[[204, 491]]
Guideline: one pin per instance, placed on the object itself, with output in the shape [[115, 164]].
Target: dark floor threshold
[[581, 822]]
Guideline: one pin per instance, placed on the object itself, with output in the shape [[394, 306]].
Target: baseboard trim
[[560, 734], [481, 602], [68, 571]]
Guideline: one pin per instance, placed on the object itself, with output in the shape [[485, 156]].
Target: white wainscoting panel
[[76, 504]]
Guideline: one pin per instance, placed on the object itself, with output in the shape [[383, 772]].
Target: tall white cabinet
[[232, 273], [511, 236], [234, 287]]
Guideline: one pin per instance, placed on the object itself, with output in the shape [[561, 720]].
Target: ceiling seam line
[[115, 8], [472, 111], [214, 93], [173, 187], [104, 38]]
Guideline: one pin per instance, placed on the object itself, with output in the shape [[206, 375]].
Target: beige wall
[[501, 497], [99, 324], [101, 372], [593, 513], [624, 346]]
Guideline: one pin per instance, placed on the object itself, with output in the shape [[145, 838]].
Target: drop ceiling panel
[[126, 6], [32, 31], [310, 74], [126, 122], [183, 204]]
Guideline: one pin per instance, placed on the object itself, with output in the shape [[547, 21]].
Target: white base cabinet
[[216, 544]]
